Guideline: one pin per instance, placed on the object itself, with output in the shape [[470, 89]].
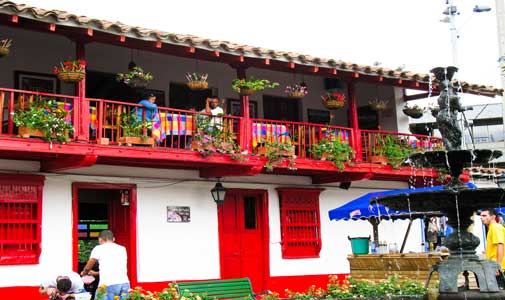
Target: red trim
[[133, 221], [353, 120], [266, 230], [66, 163], [21, 292]]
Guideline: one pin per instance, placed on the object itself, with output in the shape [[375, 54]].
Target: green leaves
[[252, 84], [334, 150]]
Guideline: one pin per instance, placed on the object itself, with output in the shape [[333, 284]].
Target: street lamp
[[218, 192], [452, 11]]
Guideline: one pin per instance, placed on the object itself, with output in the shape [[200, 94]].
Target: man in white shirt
[[63, 285], [112, 259], [212, 108]]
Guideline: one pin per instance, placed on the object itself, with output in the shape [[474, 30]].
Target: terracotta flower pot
[[26, 132], [379, 159], [135, 140]]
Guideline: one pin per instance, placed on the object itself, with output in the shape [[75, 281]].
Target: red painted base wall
[[275, 284]]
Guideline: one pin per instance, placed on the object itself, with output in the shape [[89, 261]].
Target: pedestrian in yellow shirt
[[495, 240]]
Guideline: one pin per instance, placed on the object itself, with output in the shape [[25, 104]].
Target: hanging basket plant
[[333, 100], [251, 85], [296, 91], [197, 81], [434, 111], [378, 105], [71, 70], [415, 111], [136, 78], [5, 45]]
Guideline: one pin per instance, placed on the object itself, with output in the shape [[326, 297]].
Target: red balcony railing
[[12, 100], [171, 128], [301, 135], [177, 128], [372, 140]]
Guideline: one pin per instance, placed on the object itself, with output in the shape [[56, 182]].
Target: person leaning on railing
[[151, 109]]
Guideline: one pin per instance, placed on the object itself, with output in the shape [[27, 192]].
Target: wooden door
[[244, 242]]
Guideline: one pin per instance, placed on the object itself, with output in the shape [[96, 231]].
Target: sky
[[392, 32]]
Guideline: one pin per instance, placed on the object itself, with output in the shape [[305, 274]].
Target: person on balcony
[[151, 109], [212, 108]]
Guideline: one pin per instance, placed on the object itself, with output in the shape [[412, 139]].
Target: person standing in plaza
[[112, 259], [495, 240]]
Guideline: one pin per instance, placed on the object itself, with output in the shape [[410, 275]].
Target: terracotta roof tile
[[68, 19]]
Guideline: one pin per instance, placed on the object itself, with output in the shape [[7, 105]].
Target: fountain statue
[[456, 201]]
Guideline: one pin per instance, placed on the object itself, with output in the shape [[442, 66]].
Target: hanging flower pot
[[333, 100], [415, 112], [296, 91], [377, 105], [5, 44], [71, 70], [434, 111], [251, 85], [197, 81], [135, 78]]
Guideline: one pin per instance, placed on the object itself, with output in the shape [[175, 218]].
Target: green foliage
[[276, 152], [132, 126], [136, 77], [212, 138], [45, 115], [85, 247], [334, 150], [394, 148], [169, 293], [252, 84]]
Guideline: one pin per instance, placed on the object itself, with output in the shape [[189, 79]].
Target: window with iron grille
[[20, 218], [300, 222]]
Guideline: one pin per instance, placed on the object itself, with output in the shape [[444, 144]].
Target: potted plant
[[132, 129], [212, 138], [5, 44], [333, 100], [377, 105], [43, 120], [296, 90], [415, 111], [251, 85], [71, 70], [334, 150], [390, 150], [135, 78], [275, 151], [197, 81]]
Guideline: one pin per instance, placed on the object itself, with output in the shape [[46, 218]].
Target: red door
[[243, 220], [119, 222]]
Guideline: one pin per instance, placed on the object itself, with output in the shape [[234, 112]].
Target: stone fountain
[[456, 201]]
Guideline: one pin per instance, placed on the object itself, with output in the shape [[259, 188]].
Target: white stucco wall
[[178, 251]]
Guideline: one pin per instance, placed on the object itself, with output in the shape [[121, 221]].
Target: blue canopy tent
[[361, 209]]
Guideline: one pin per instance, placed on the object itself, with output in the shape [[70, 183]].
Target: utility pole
[[500, 21]]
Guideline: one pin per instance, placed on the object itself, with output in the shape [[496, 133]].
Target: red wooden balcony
[[98, 132]]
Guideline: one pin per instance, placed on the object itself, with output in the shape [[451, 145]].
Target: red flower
[[55, 70]]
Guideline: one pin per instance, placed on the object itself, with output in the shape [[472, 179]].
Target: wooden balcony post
[[81, 106], [353, 118], [245, 122]]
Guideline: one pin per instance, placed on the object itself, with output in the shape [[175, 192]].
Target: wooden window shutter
[[300, 222], [20, 218]]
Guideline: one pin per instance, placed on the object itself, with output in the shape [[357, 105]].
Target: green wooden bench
[[239, 288]]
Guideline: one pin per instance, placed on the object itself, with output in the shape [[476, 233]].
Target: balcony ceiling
[[106, 31]]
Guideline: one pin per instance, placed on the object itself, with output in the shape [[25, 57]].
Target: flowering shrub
[[333, 96], [311, 293], [196, 76], [136, 77], [78, 65], [48, 117], [276, 151], [333, 149], [296, 88]]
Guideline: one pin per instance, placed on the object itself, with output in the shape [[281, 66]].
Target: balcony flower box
[[27, 132]]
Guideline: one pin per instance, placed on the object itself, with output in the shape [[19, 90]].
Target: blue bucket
[[359, 245]]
